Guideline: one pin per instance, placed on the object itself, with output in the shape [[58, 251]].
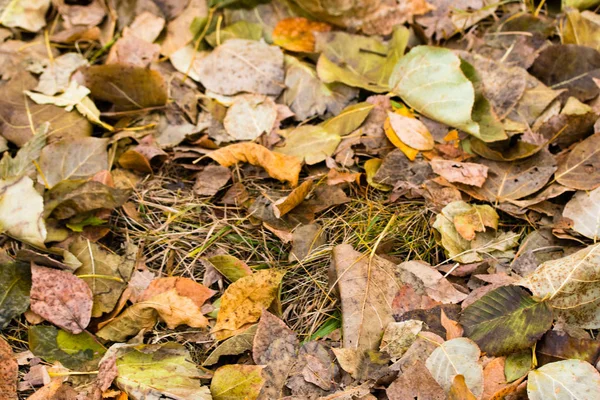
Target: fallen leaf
[[556, 67], [297, 34], [468, 173], [80, 352], [21, 211], [448, 17], [415, 382], [230, 267], [398, 171], [178, 32], [581, 168], [564, 379], [305, 240], [26, 14], [431, 76], [399, 336], [105, 272], [314, 372], [363, 365], [310, 143], [244, 300], [458, 356], [250, 116], [153, 371], [61, 298], [508, 181], [517, 365], [475, 220], [286, 204], [236, 30], [69, 198], [127, 87], [581, 209], [236, 381], [453, 329], [516, 151], [241, 65], [78, 158], [132, 51], [148, 26], [460, 390], [419, 351], [582, 28], [135, 319], [307, 96], [535, 100], [237, 344], [56, 75], [506, 320], [9, 372], [411, 132], [436, 286], [211, 179], [15, 284], [184, 287], [557, 346], [366, 311], [275, 346], [73, 95], [48, 391], [279, 166], [371, 167], [23, 162], [349, 119], [17, 109]]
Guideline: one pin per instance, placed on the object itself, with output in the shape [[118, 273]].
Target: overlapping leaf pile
[[483, 113]]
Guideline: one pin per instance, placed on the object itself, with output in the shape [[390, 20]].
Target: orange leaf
[[391, 135], [459, 390], [297, 34]]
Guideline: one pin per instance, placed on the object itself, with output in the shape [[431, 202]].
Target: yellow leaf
[[237, 381], [297, 34], [459, 390], [391, 135], [244, 300], [292, 200], [371, 166], [278, 166]]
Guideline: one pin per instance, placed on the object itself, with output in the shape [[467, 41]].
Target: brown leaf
[[16, 109], [277, 165], [128, 88], [366, 289], [397, 170], [453, 328], [468, 173], [244, 300], [292, 200], [459, 390], [133, 51], [179, 33], [415, 382], [580, 169], [61, 298], [314, 371], [475, 220], [275, 346], [436, 286], [9, 372], [494, 380], [305, 239], [557, 346], [407, 299], [419, 351], [211, 179]]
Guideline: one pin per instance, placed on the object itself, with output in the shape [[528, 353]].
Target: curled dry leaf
[[61, 298], [453, 171], [279, 166], [569, 286], [244, 300], [296, 34], [458, 356], [292, 200]]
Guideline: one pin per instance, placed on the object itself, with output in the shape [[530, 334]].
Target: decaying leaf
[[21, 211], [310, 143], [241, 65], [415, 382], [15, 284], [237, 344], [296, 34], [435, 284], [244, 300], [458, 356], [237, 381], [477, 219], [506, 320], [249, 117], [399, 336], [292, 200], [366, 289], [279, 166], [468, 173], [55, 77], [568, 285], [583, 209], [211, 180], [556, 345], [106, 273], [581, 168], [153, 371], [61, 298], [9, 372], [569, 379], [431, 81]]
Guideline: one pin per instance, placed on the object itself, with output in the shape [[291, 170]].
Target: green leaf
[[349, 119], [150, 371], [230, 267], [310, 143], [237, 382], [15, 284], [506, 320], [237, 30], [431, 81], [77, 352], [564, 380], [517, 365], [234, 345]]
